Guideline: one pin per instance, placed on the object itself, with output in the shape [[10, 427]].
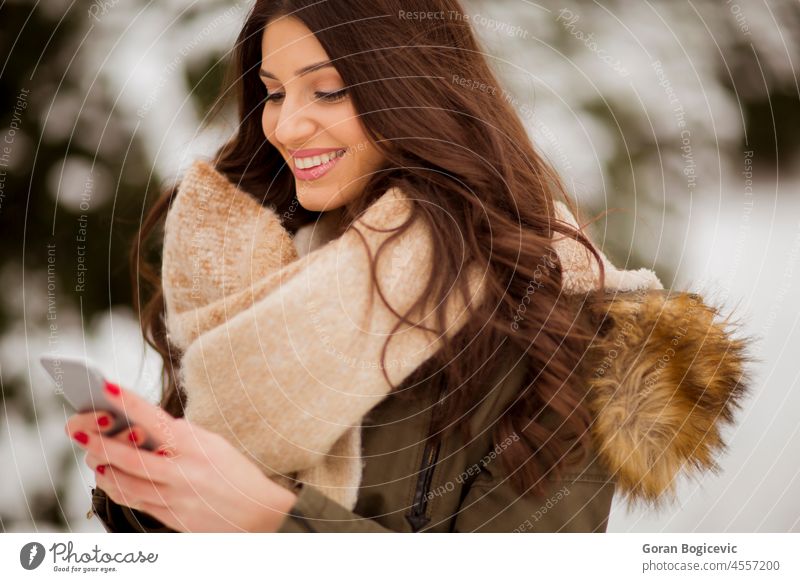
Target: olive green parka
[[662, 377]]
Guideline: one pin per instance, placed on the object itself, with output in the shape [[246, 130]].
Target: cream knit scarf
[[281, 337]]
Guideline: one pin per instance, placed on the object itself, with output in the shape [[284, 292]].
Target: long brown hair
[[464, 157]]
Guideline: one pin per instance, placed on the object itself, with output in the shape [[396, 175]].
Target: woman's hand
[[196, 481]]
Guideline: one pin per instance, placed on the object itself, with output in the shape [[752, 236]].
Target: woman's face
[[310, 119]]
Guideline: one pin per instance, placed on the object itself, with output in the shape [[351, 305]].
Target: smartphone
[[83, 387]]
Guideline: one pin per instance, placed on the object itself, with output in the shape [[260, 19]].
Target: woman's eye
[[328, 97], [332, 97]]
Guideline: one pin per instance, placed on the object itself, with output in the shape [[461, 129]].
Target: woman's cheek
[[268, 125]]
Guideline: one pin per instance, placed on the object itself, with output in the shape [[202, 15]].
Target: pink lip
[[312, 152], [317, 171]]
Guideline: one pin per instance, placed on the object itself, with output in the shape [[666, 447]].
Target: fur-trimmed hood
[[665, 375]]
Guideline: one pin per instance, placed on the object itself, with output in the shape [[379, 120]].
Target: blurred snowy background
[[684, 114]]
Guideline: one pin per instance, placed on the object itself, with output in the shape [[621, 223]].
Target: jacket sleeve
[[121, 519], [577, 502], [313, 512]]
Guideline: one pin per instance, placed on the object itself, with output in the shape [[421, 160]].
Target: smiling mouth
[[312, 162], [315, 167]]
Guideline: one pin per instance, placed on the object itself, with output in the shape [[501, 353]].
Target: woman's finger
[[133, 435], [89, 422], [137, 462], [93, 462], [116, 489], [131, 491], [96, 423], [122, 488], [150, 419]]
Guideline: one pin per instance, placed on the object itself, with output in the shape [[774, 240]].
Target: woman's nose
[[295, 125]]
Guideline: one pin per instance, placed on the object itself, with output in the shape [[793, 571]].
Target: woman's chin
[[316, 203], [317, 198]]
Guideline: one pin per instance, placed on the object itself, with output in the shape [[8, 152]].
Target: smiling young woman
[[307, 104], [339, 104]]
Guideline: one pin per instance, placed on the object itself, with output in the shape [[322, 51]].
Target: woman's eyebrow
[[299, 72]]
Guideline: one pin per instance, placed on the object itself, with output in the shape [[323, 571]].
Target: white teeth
[[310, 162]]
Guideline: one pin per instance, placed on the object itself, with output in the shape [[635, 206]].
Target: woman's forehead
[[288, 41]]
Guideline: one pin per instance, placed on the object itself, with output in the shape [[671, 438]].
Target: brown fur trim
[[664, 377]]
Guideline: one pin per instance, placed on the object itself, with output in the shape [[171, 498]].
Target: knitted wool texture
[[281, 352]]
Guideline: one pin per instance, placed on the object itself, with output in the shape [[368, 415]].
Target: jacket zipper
[[416, 515]]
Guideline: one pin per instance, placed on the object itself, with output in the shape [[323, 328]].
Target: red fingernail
[[103, 421], [81, 437], [163, 452], [132, 436], [112, 389], [101, 469]]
